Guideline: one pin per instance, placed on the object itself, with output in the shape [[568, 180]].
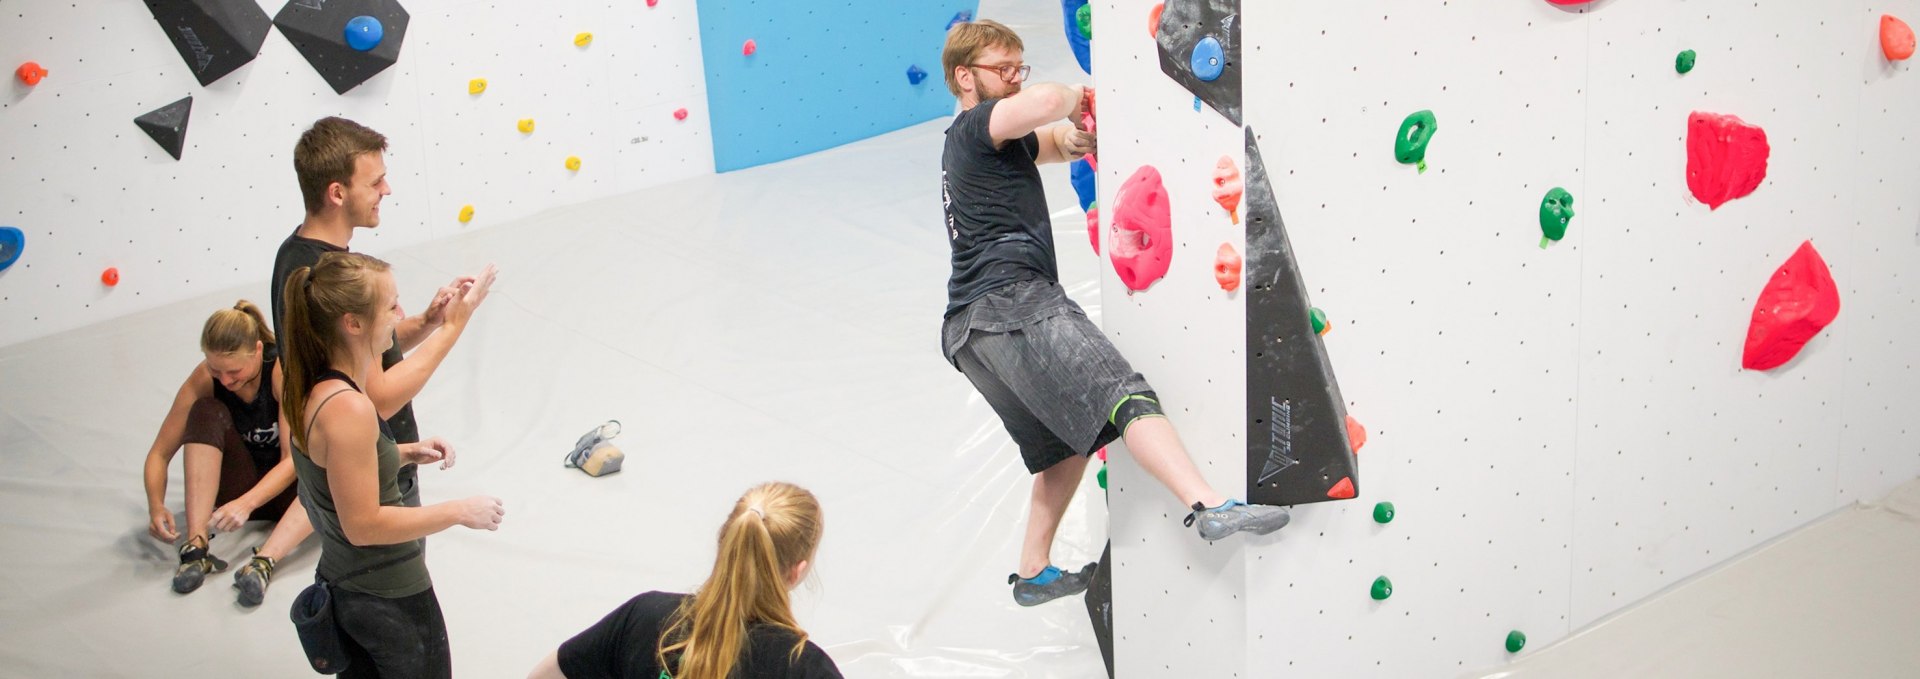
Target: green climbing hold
[[1382, 588], [1319, 319], [1411, 144], [1516, 641], [1084, 17], [1556, 209], [1684, 62], [1383, 512], [1103, 477]]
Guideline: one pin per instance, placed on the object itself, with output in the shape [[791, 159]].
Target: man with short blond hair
[[1060, 387]]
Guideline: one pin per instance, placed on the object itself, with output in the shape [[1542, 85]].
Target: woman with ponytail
[[339, 319], [739, 625], [226, 416]]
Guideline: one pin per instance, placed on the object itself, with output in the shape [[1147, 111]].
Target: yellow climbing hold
[[466, 214], [582, 39], [526, 126], [573, 163], [476, 85]]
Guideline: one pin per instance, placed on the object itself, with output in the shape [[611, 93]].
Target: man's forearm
[[411, 331]]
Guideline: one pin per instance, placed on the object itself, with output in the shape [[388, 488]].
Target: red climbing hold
[[1227, 187], [680, 114], [1799, 300], [1093, 226], [110, 277], [1153, 20], [1226, 268], [1726, 157], [1342, 490], [1086, 110], [1896, 38], [31, 72], [749, 48], [1141, 240], [1356, 434]]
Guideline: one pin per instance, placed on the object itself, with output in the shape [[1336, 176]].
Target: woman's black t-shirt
[[622, 646]]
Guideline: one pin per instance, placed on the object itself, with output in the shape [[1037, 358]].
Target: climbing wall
[[790, 78], [91, 191], [1562, 429]]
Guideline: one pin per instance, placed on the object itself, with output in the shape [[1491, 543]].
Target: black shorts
[[1055, 382]]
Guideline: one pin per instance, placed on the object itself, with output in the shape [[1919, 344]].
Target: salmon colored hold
[[1726, 157], [1227, 187], [1356, 434], [1153, 20], [1342, 490], [1896, 38], [1226, 268]]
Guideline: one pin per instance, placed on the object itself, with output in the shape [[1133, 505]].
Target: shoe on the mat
[[1050, 584], [252, 579], [195, 563], [1235, 516]]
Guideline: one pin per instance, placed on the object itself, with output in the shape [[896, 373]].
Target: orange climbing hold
[[31, 72], [1227, 187], [1356, 434], [110, 277], [1153, 20], [1226, 268], [1342, 490], [1896, 38]]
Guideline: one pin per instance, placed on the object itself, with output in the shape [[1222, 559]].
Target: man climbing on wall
[[1060, 387]]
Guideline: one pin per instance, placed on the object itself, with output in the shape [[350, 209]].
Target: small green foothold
[[1319, 319], [1684, 62], [1516, 641], [1084, 17], [1410, 146], [1103, 477], [1383, 512], [1556, 209], [1382, 588]]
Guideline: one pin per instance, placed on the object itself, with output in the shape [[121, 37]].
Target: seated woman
[[738, 625], [227, 418], [340, 315]]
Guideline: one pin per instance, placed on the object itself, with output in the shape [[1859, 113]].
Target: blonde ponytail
[[772, 529]]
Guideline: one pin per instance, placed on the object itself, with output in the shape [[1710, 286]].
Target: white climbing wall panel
[[1564, 431], [91, 191]]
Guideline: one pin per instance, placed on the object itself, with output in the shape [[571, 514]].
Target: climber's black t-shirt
[[996, 210], [622, 646]]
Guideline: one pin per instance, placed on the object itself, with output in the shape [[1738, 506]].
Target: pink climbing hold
[[1569, 2], [1896, 38], [749, 48], [1093, 226], [680, 114], [1226, 268], [1726, 157], [1227, 187], [651, 3], [1799, 300], [1141, 240]]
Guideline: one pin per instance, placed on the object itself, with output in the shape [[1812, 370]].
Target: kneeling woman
[[740, 623], [340, 315], [227, 419]]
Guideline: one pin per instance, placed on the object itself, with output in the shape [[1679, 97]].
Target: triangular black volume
[[317, 28], [1297, 447], [1183, 25], [1100, 606], [168, 125], [214, 37]]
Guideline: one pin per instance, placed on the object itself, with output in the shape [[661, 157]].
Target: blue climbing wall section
[[822, 73]]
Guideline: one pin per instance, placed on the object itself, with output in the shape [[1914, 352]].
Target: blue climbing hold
[[960, 17], [12, 241], [1208, 60], [915, 74], [364, 33], [1082, 175], [1080, 43]]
